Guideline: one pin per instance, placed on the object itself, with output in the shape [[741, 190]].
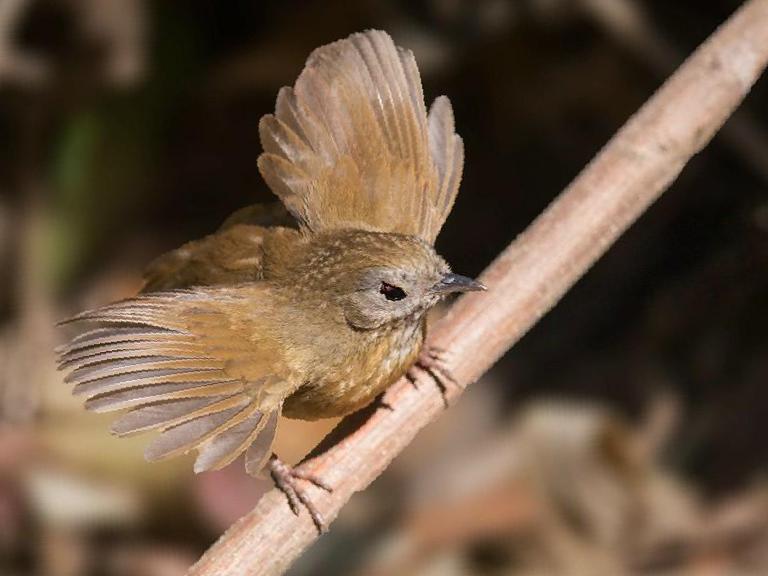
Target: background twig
[[525, 281]]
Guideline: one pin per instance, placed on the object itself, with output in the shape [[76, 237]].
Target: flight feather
[[351, 144], [170, 359]]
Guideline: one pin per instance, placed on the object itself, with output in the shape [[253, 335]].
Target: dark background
[[130, 127]]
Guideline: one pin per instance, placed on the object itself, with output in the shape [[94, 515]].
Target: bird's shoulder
[[232, 255]]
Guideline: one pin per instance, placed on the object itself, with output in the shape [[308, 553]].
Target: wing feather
[[351, 144], [126, 382], [160, 392], [259, 451], [224, 448], [127, 350], [111, 336], [163, 415], [185, 437], [180, 363]]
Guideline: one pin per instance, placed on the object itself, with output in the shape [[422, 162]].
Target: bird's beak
[[457, 283]]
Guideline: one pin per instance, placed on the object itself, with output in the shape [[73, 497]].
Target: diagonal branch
[[525, 281]]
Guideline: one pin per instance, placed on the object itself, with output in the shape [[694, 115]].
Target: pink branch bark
[[525, 281]]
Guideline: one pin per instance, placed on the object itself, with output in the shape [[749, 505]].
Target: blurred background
[[625, 434]]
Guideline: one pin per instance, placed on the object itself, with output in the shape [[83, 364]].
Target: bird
[[308, 309]]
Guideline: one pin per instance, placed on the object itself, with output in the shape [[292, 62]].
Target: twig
[[631, 27], [525, 281]]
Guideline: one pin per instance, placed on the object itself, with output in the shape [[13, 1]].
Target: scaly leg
[[433, 361], [287, 480]]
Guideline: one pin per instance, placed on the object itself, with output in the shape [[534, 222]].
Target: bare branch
[[525, 281]]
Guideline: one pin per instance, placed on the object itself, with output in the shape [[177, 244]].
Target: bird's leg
[[433, 361], [287, 479]]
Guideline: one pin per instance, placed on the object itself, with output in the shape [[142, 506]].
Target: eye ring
[[392, 293]]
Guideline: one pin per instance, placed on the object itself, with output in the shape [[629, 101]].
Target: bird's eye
[[391, 293]]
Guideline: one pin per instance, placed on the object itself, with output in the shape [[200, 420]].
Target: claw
[[410, 375], [286, 479], [433, 361], [380, 402]]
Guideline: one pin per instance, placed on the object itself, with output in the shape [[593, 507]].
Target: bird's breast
[[363, 369]]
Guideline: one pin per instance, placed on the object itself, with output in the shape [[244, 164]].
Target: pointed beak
[[457, 283]]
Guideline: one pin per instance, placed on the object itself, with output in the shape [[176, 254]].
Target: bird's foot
[[433, 361], [288, 480], [381, 402]]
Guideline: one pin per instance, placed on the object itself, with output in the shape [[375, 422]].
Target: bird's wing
[[233, 255], [230, 256], [194, 365], [351, 144], [266, 215]]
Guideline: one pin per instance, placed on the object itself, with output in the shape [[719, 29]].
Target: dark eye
[[392, 293]]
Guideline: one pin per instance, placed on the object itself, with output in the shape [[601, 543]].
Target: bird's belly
[[357, 382]]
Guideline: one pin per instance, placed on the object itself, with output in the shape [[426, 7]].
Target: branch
[[525, 281], [628, 24]]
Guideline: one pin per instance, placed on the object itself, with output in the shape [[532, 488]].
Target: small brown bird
[[310, 320]]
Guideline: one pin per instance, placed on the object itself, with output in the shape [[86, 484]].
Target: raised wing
[[351, 145], [189, 364]]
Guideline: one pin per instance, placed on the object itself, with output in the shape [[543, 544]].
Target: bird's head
[[380, 278]]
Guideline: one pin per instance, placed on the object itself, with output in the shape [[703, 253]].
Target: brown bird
[[310, 320]]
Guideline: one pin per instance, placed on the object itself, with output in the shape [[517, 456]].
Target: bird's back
[[234, 254]]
